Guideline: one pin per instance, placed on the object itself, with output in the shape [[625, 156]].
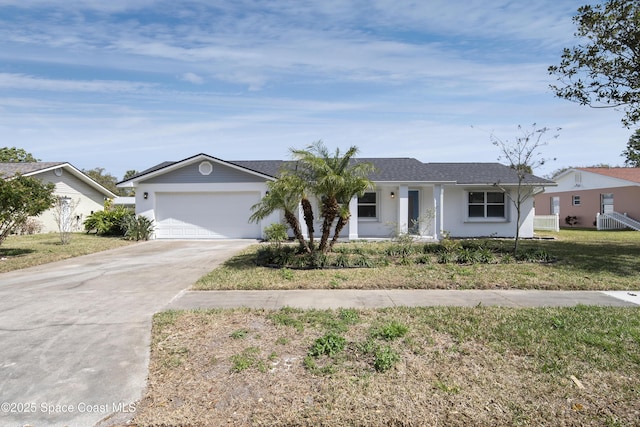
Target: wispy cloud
[[230, 77], [192, 78], [25, 82]]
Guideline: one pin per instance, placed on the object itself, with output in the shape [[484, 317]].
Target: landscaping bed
[[570, 260]]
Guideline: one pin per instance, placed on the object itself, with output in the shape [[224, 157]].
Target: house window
[[367, 206], [575, 200], [486, 204]]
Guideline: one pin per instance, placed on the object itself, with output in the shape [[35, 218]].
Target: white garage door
[[206, 215]]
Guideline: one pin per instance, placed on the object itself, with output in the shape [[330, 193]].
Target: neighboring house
[[585, 193], [81, 190], [206, 197]]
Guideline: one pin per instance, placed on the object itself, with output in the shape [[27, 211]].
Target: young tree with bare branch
[[523, 154]]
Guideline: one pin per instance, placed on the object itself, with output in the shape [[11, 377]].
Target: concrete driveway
[[75, 335]]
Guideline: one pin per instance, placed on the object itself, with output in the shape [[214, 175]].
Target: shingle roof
[[628, 174], [265, 167], [387, 169], [401, 169], [7, 170], [479, 173]]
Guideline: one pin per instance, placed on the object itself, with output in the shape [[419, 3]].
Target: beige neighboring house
[[81, 191], [597, 197]]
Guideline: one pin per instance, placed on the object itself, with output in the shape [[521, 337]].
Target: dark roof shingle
[[7, 170], [400, 169]]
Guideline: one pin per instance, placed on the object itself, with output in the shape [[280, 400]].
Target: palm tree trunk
[[342, 222], [329, 212], [295, 226], [307, 211]]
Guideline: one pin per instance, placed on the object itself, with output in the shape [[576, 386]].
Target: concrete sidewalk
[[351, 298]]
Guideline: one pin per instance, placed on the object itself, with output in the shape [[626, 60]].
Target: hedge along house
[[203, 197], [77, 188]]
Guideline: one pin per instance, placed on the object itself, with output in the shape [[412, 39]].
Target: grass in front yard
[[449, 366], [583, 260], [18, 252]]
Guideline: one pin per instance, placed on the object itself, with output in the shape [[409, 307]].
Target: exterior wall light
[[145, 195], [393, 194]]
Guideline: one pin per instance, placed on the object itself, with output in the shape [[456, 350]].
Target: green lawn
[[18, 252], [582, 260]]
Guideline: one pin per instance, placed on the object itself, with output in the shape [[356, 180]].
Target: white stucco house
[[70, 183], [206, 197]]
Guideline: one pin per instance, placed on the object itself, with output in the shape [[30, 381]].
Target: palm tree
[[334, 179], [355, 185], [283, 194]]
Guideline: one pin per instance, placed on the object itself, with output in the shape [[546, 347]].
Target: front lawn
[[18, 252], [453, 366], [571, 260]]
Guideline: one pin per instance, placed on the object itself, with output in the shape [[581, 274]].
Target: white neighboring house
[[203, 197], [69, 182]]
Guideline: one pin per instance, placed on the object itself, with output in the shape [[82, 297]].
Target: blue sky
[[124, 84]]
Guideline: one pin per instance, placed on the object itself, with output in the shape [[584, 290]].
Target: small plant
[[486, 255], [385, 358], [342, 261], [467, 256], [286, 273], [363, 261], [247, 359], [446, 257], [449, 246], [390, 331], [284, 317], [330, 345], [240, 333], [449, 389], [137, 228], [571, 220], [276, 233], [30, 226], [423, 259], [282, 341], [349, 316]]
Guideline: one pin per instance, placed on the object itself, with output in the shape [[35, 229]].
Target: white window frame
[[485, 218], [575, 200]]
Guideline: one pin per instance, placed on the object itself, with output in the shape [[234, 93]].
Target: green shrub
[[467, 255], [342, 261], [449, 246], [137, 228], [276, 233], [109, 222]]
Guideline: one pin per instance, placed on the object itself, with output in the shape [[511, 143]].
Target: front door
[[414, 212], [606, 202]]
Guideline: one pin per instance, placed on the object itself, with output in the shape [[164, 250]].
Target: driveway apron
[[75, 335]]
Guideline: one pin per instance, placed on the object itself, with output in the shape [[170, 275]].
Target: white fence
[[546, 222], [616, 221]]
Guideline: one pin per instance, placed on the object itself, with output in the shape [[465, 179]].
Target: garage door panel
[[206, 215]]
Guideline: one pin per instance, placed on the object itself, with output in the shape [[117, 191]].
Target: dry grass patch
[[451, 366], [581, 260], [19, 252]]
